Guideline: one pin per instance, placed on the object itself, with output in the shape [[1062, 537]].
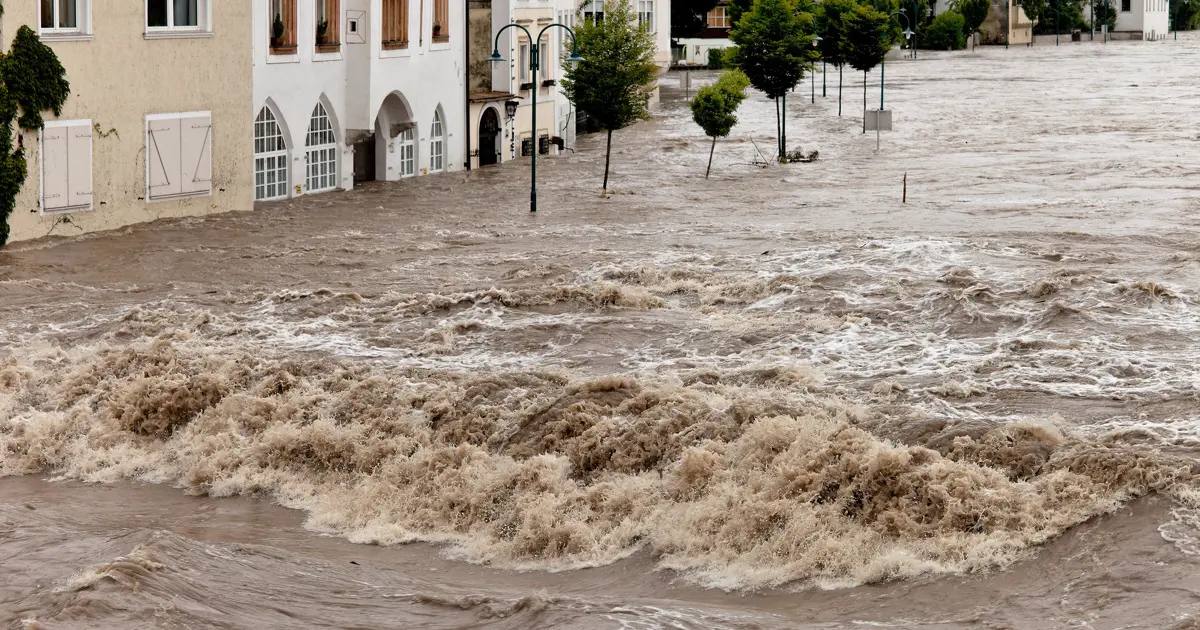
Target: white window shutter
[[55, 170], [162, 156], [196, 144], [79, 157]]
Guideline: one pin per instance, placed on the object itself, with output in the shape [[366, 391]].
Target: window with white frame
[[545, 59], [408, 154], [178, 155], [66, 174], [270, 158], [437, 143], [646, 13], [63, 17], [523, 61], [176, 15], [321, 152], [593, 10]]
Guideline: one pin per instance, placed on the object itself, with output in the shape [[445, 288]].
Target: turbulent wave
[[738, 478]]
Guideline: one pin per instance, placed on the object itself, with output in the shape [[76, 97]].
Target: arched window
[[408, 154], [270, 158], [321, 152], [437, 142]]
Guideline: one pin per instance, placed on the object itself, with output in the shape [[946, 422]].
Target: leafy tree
[[714, 107], [689, 17], [716, 58], [612, 83], [1105, 13], [974, 12], [946, 32], [830, 25], [868, 39], [1055, 16], [1185, 14], [736, 9], [773, 50]]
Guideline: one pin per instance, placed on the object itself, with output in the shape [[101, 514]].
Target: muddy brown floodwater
[[778, 398]]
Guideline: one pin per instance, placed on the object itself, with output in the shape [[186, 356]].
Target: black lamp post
[[816, 40], [908, 33], [534, 64]]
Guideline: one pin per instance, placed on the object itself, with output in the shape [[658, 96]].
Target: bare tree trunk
[[839, 90], [783, 126], [607, 157], [710, 153], [778, 140], [864, 101]]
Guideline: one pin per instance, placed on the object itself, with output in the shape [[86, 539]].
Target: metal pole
[[916, 31], [882, 69], [823, 67], [533, 68], [813, 82], [1057, 28]]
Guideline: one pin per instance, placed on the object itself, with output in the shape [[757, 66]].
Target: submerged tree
[[715, 105], [773, 49], [974, 12], [868, 39], [613, 82], [830, 26]]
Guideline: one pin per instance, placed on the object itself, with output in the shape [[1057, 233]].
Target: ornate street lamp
[[510, 108], [534, 64], [883, 63]]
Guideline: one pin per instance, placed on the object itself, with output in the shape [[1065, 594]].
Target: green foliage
[[867, 37], [830, 24], [773, 46], [33, 81], [35, 78], [715, 105], [946, 32], [1185, 14], [974, 12], [1105, 13], [730, 57], [716, 58], [612, 83], [1055, 15], [736, 9]]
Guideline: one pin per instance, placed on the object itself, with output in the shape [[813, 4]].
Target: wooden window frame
[[287, 44], [395, 22], [441, 17], [333, 18]]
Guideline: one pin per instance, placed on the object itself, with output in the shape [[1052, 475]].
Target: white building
[[1151, 18], [714, 36], [348, 90]]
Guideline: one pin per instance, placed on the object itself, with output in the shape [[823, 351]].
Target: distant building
[[1142, 19], [1006, 24], [356, 90], [694, 50], [149, 130]]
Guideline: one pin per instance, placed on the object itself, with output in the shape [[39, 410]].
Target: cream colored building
[[158, 123]]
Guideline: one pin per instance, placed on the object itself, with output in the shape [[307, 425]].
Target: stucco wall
[[117, 79]]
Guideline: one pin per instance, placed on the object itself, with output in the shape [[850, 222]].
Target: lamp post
[[534, 64], [883, 63], [816, 40]]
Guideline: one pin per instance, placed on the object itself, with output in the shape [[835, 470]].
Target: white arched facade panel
[[270, 158], [321, 152]]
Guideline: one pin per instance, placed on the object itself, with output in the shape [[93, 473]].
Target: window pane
[[47, 13], [67, 17], [156, 13], [187, 13]]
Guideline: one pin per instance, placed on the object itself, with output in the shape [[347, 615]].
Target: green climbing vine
[[33, 81]]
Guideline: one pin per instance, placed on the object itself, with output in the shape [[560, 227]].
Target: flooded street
[[777, 398]]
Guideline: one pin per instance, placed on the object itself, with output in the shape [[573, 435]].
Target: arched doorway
[[395, 144], [489, 137]]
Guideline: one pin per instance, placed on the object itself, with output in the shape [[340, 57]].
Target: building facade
[[1006, 24], [146, 132], [1151, 19], [694, 50], [356, 90]]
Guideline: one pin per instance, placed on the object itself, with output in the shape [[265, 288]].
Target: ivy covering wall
[[33, 81]]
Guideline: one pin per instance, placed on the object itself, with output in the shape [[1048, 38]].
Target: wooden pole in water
[[904, 199]]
